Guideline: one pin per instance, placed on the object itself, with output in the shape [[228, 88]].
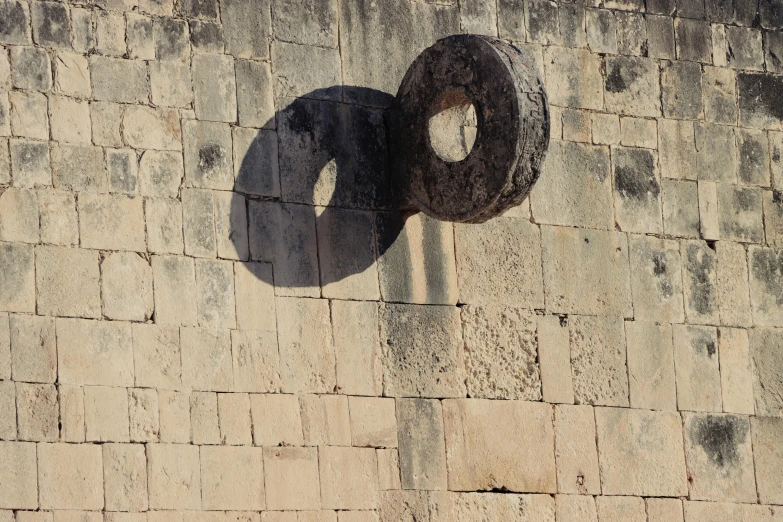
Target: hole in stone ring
[[452, 129]]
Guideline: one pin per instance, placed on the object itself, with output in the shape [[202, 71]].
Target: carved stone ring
[[468, 129]]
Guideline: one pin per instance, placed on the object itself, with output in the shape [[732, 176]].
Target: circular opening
[[453, 128]]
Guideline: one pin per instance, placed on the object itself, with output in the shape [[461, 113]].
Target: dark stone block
[[700, 277], [206, 36], [773, 47], [51, 26], [746, 11], [771, 14], [422, 446], [631, 34], [753, 157], [694, 40], [660, 37], [171, 39], [199, 9], [32, 69], [663, 7], [721, 11], [690, 9], [572, 25], [542, 23], [760, 102], [681, 89], [744, 48], [13, 23]]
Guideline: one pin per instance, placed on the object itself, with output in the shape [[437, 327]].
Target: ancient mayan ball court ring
[[496, 170]]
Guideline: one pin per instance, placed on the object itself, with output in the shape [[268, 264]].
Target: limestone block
[[215, 293], [326, 420], [70, 120], [388, 469], [696, 366], [30, 163], [138, 34], [175, 290], [598, 359], [723, 511], [77, 516], [15, 30], [651, 366], [639, 132], [36, 412], [765, 289], [146, 128], [17, 278], [320, 29], [500, 353], [575, 450], [67, 282], [699, 282], [292, 478], [143, 411], [173, 476], [94, 352], [586, 271], [106, 414], [746, 48], [171, 39], [357, 347], [170, 84], [573, 78], [214, 87], [773, 47], [18, 475], [605, 129], [720, 93], [664, 510], [681, 85], [660, 36], [247, 28], [232, 478], [733, 290], [199, 223], [499, 262], [422, 351], [123, 170], [255, 161], [50, 24], [71, 413], [305, 322], [632, 86], [256, 361], [422, 452], [234, 417], [7, 410], [473, 506], [620, 509], [59, 222], [554, 357], [656, 279], [601, 28], [631, 33], [767, 356], [104, 72], [83, 30], [576, 126], [231, 225], [255, 297], [740, 213], [164, 226], [126, 281], [693, 40], [19, 216], [637, 189], [767, 433], [206, 359], [174, 417], [5, 347], [125, 475], [32, 69], [753, 157], [677, 149], [255, 103], [208, 154], [373, 422], [349, 478], [204, 418], [29, 116], [276, 420], [34, 516], [300, 70], [206, 36], [70, 476], [358, 516], [111, 222], [717, 152], [640, 452], [735, 371], [576, 508], [106, 123], [718, 451]]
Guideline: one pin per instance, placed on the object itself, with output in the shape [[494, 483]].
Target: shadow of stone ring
[[468, 129]]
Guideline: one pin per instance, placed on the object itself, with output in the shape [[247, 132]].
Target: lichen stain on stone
[[700, 266], [761, 93], [660, 271], [615, 81], [704, 344], [767, 266], [635, 184], [210, 156], [720, 437]]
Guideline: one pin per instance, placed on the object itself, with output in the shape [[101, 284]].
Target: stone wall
[[209, 310]]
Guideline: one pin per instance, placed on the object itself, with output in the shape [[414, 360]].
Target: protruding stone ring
[[468, 129]]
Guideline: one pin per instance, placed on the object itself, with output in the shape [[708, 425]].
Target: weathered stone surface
[[19, 475], [601, 31], [554, 358], [107, 120], [50, 24], [656, 279], [205, 426], [36, 412], [174, 476], [276, 420], [125, 475], [214, 86], [576, 453], [681, 85], [71, 413], [733, 289], [16, 21], [650, 366], [199, 223], [139, 37], [373, 422], [175, 290], [110, 33], [664, 509], [638, 132], [744, 48], [111, 222], [232, 478], [206, 36], [631, 34], [720, 93], [632, 86], [708, 210], [164, 226], [246, 27], [208, 155], [32, 69], [30, 163], [349, 478], [17, 278], [759, 106], [174, 417], [615, 509], [640, 452], [740, 213], [170, 84], [577, 508], [146, 128], [33, 355], [8, 423], [256, 361], [766, 293], [765, 351], [106, 414], [420, 433], [70, 476], [636, 190], [67, 280], [699, 282], [357, 347], [693, 40], [160, 173], [573, 78], [677, 149], [292, 478], [206, 359], [19, 216], [156, 356], [104, 71], [753, 156], [680, 208], [736, 374], [126, 287], [660, 36], [123, 170], [215, 293], [78, 168], [599, 361], [767, 432], [326, 420], [29, 116], [59, 222], [697, 368]]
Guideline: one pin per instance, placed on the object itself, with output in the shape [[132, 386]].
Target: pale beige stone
[[708, 210], [697, 368], [78, 168], [71, 74], [292, 478], [106, 414], [33, 348], [640, 452], [143, 415], [215, 293], [232, 478], [204, 418], [573, 78], [147, 128], [71, 413], [29, 117], [664, 510], [725, 512], [67, 281], [70, 476], [256, 361], [598, 359], [59, 221], [111, 222], [214, 86], [19, 216], [234, 417], [733, 289], [736, 374], [650, 366], [173, 476], [358, 516], [174, 280], [765, 292], [94, 352], [325, 420], [656, 279], [621, 509], [255, 296], [388, 469], [107, 120], [157, 360], [575, 450], [206, 359], [70, 120], [576, 508], [36, 412], [699, 282], [170, 84], [126, 284], [77, 516], [485, 448], [125, 475], [349, 478], [160, 173], [638, 132], [231, 225], [421, 439], [34, 516], [276, 420], [554, 359], [768, 456], [30, 163], [5, 347], [373, 422], [18, 278], [445, 507], [174, 416], [357, 347], [164, 226], [7, 410], [18, 476]]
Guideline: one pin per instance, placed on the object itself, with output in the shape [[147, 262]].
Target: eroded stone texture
[[699, 282], [697, 368], [576, 452], [70, 476], [767, 357], [650, 366], [656, 279], [768, 455], [598, 360], [637, 190], [420, 433], [766, 286], [632, 86]]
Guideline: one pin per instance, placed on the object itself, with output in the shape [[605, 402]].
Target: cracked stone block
[[660, 36], [33, 348], [305, 322], [651, 366], [157, 356], [206, 359], [349, 478], [123, 170], [208, 155], [422, 448], [70, 120], [632, 86], [733, 289], [500, 353], [36, 412], [766, 288], [70, 476], [16, 20], [753, 156], [255, 296], [656, 279], [106, 414], [681, 85], [111, 222], [319, 29], [256, 166], [767, 433], [110, 33], [139, 36], [586, 272], [694, 40], [68, 282], [740, 213], [247, 27], [744, 48], [234, 419], [72, 75], [639, 132], [773, 51], [719, 456], [204, 418], [32, 69], [631, 34], [94, 352], [581, 176], [173, 476], [83, 30], [174, 416], [681, 208], [160, 173], [601, 28], [172, 41], [107, 120], [636, 190], [125, 472], [206, 36], [164, 226], [576, 453], [51, 26], [573, 78], [413, 339], [759, 104], [232, 478], [71, 413], [717, 152], [735, 371], [255, 102], [477, 17], [199, 223], [373, 422], [677, 149], [78, 168], [19, 216], [214, 87], [126, 281], [231, 225], [696, 366], [175, 290], [215, 293], [766, 349], [276, 420], [29, 116], [17, 278], [357, 347], [292, 478], [104, 72], [598, 360], [640, 452]]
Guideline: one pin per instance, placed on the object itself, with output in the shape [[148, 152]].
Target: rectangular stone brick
[[664, 509], [697, 368], [143, 411], [7, 410], [680, 208], [637, 198], [699, 282], [765, 291], [579, 508], [70, 120], [139, 37], [255, 104], [247, 28], [630, 509], [174, 477], [146, 128], [206, 359], [656, 279], [576, 126], [422, 451], [83, 30], [740, 213], [174, 416], [199, 223], [214, 86], [19, 218], [349, 478], [554, 360], [215, 293], [256, 361], [208, 156], [256, 166], [276, 420], [67, 281], [717, 154], [204, 418], [735, 371], [94, 352], [660, 36], [373, 422], [573, 78], [601, 28], [733, 291], [175, 290], [767, 432], [677, 149], [767, 354], [693, 40], [18, 475], [36, 412], [292, 480], [326, 420], [357, 347], [29, 116], [107, 120], [125, 475], [111, 222], [123, 170], [575, 450], [16, 29], [598, 359], [632, 86], [170, 84], [164, 226], [650, 366], [754, 157], [234, 416], [77, 168], [71, 413], [708, 210], [104, 73], [681, 90], [32, 69], [720, 93], [30, 163], [59, 221], [17, 278], [255, 300], [50, 24], [106, 414], [206, 36], [232, 478], [478, 17], [388, 469], [70, 476]]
